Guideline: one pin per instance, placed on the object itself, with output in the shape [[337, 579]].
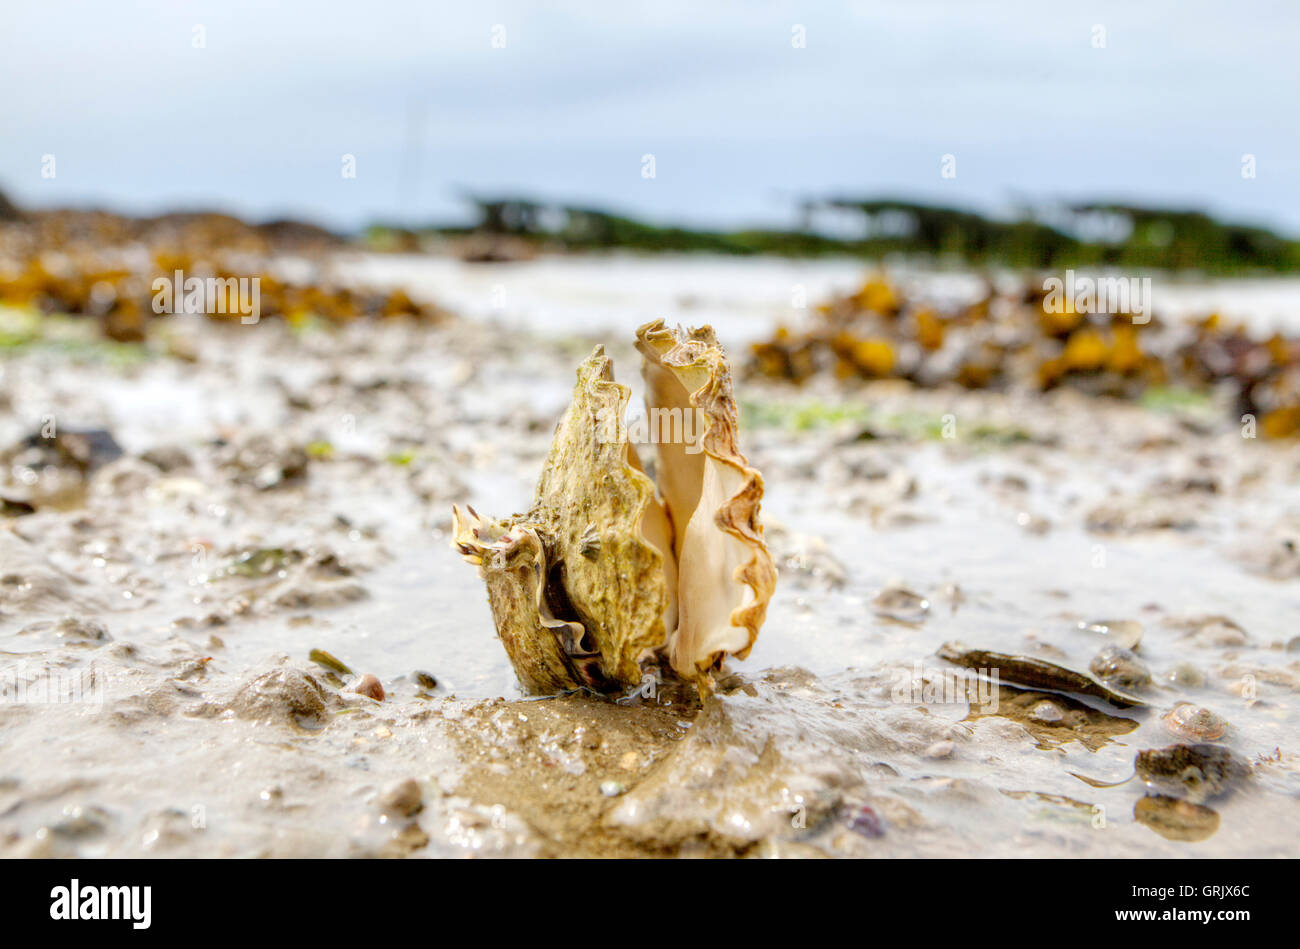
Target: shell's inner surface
[[609, 570], [725, 576]]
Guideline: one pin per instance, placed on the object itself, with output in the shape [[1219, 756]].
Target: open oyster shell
[[609, 571]]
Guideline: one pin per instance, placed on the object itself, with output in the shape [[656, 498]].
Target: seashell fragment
[[1118, 666], [1194, 722], [901, 605], [1047, 712], [1186, 674], [610, 570]]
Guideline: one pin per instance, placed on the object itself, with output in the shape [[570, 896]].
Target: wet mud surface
[[278, 492]]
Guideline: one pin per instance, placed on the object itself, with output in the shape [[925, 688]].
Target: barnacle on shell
[[609, 570]]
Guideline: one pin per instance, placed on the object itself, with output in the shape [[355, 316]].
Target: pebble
[[900, 604], [368, 685], [1214, 630], [1033, 523], [1047, 712], [865, 821], [1120, 667], [1186, 674], [1176, 819], [402, 798], [80, 822], [284, 693], [78, 627], [940, 749]]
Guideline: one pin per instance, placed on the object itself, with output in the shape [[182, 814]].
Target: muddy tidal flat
[[211, 540]]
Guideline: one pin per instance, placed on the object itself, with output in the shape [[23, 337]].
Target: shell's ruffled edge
[[697, 362], [512, 560]]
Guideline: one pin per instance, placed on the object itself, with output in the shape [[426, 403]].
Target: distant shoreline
[[1089, 235], [1102, 235]]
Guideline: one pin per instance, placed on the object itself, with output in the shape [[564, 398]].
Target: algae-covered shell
[[608, 570], [1197, 772]]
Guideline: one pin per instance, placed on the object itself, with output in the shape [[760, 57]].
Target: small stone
[[865, 821], [899, 604], [612, 788], [1186, 674], [409, 838], [1033, 523], [167, 457], [1176, 819], [1047, 712], [81, 822], [368, 685], [940, 749], [285, 694], [1120, 667], [402, 799], [1213, 630], [425, 680], [1224, 636]]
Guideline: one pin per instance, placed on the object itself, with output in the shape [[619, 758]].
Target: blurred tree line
[[1082, 235]]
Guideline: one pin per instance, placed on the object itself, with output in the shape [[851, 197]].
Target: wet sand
[[290, 491]]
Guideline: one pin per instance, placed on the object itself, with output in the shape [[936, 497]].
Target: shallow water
[[743, 297], [206, 739]]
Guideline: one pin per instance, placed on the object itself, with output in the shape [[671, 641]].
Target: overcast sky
[[739, 120]]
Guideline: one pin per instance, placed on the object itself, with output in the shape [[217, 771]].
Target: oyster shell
[[610, 571]]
